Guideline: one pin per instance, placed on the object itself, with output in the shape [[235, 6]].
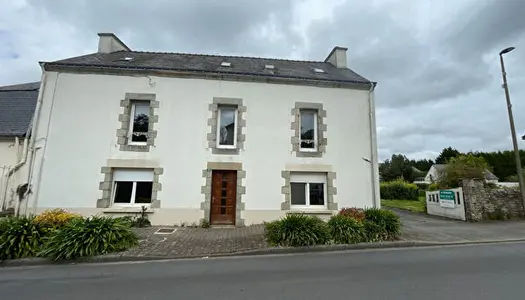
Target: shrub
[[421, 193], [463, 167], [346, 230], [89, 237], [297, 230], [356, 213], [433, 187], [19, 237], [422, 186], [373, 232], [386, 219], [398, 190], [54, 219]]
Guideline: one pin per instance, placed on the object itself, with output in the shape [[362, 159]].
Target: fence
[[446, 203]]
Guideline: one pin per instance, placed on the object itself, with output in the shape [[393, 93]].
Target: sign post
[[447, 199]]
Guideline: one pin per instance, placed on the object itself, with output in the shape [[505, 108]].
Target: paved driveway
[[421, 227]]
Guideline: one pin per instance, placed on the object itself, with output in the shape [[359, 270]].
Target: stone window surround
[[206, 189], [106, 186], [125, 119], [321, 129], [213, 124], [331, 190]]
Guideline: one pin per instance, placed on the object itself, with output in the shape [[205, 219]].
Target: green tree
[[463, 167], [398, 166], [446, 154], [422, 164]]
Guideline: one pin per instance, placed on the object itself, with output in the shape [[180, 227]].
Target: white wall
[[84, 113]]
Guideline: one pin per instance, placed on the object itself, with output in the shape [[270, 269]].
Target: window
[[132, 187], [308, 190], [308, 125], [139, 126], [227, 127]]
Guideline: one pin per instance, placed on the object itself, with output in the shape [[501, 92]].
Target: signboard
[[447, 199]]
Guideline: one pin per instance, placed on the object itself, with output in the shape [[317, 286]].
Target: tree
[[463, 167], [446, 154], [422, 164], [398, 166]]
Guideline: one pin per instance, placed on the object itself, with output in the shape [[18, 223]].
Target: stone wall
[[490, 203]]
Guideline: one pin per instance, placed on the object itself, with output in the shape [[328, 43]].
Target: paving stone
[[189, 242]]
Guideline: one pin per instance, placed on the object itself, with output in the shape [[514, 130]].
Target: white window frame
[[308, 178], [133, 190], [132, 119], [218, 133], [314, 149]]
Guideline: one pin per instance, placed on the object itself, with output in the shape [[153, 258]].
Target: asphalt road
[[463, 272]]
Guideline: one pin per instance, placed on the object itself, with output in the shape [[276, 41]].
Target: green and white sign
[[447, 199]]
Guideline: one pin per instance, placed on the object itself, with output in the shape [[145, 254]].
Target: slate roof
[[17, 104], [201, 63], [488, 175]]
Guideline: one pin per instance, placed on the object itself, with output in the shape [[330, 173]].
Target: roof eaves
[[135, 68]]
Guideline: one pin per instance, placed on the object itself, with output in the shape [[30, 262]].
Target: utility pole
[[512, 128]]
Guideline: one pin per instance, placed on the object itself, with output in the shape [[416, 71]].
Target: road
[[495, 271]]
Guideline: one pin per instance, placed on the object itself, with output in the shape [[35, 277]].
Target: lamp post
[[512, 128]]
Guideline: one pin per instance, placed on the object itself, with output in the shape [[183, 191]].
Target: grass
[[415, 206]]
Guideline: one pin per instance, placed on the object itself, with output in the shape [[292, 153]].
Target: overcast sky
[[436, 62]]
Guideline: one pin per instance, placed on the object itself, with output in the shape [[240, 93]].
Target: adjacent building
[[17, 106]]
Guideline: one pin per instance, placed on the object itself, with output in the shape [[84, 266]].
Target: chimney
[[109, 43], [337, 57]]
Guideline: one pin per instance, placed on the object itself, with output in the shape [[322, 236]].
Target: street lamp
[[512, 128]]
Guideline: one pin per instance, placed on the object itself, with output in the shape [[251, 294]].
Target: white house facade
[[229, 140]]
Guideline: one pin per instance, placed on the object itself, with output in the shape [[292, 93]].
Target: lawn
[[415, 206]]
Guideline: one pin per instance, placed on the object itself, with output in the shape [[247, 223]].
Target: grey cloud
[[183, 25]]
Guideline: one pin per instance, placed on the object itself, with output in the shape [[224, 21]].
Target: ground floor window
[[132, 187], [308, 190]]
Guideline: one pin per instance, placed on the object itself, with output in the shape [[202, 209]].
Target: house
[[17, 105], [225, 139], [437, 170]]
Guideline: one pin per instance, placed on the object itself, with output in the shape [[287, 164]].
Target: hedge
[[398, 190]]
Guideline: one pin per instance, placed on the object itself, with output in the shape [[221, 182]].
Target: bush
[[346, 230], [89, 237], [297, 230], [54, 219], [398, 190], [356, 213], [421, 193], [463, 167], [422, 186], [373, 232], [433, 187], [386, 219], [19, 237]]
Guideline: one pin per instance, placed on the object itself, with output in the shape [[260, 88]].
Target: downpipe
[[373, 147]]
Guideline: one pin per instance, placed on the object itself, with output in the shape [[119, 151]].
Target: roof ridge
[[225, 56], [20, 87]]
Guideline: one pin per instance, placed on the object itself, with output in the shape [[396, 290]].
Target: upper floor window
[[139, 127], [227, 127], [308, 123]]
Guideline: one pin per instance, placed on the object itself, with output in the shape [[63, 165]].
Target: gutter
[[373, 148]]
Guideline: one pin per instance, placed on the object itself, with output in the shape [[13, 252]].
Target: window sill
[[310, 211], [126, 210]]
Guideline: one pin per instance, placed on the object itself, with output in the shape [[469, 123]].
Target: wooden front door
[[223, 197]]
